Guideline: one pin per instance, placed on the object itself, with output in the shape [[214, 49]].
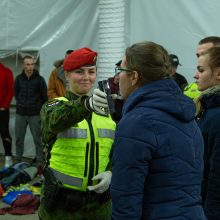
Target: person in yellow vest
[[78, 138], [192, 91]]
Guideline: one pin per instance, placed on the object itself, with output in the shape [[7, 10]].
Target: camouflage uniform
[[57, 116]]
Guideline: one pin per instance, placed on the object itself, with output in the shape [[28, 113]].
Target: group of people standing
[[159, 161], [30, 91]]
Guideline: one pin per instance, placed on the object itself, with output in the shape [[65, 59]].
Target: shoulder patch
[[53, 102]]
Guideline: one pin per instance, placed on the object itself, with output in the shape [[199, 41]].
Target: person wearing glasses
[[158, 147], [78, 138]]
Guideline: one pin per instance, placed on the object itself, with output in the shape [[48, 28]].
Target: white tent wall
[[50, 27], [111, 36], [176, 24]]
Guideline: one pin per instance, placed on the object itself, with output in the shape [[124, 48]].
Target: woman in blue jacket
[[208, 81], [158, 149]]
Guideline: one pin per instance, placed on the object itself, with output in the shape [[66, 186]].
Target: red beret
[[81, 57]]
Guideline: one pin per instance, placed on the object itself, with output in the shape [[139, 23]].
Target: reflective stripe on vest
[[65, 179], [73, 133], [82, 133], [75, 156], [106, 133]]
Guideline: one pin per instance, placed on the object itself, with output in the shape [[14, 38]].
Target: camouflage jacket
[[57, 115]]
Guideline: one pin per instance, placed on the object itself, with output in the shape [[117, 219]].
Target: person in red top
[[6, 95]]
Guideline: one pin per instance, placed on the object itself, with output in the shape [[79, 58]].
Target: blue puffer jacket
[[209, 124], [157, 157]]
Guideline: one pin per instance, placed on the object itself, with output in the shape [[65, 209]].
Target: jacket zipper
[[86, 160], [97, 158], [92, 149]]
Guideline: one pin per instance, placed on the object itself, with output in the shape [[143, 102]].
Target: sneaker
[[8, 161]]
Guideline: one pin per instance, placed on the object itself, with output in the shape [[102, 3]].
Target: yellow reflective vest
[[192, 91], [82, 151]]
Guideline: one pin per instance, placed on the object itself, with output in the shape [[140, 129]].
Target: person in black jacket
[[30, 92], [180, 79]]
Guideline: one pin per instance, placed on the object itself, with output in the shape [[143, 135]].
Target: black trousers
[[4, 131]]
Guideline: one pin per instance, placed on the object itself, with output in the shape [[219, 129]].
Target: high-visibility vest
[[82, 151], [192, 91]]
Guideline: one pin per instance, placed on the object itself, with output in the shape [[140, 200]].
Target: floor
[[15, 217]]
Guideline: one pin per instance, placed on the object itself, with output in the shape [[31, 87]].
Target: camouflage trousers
[[90, 209]]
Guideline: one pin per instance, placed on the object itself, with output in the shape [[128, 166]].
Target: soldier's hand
[[97, 102], [103, 185]]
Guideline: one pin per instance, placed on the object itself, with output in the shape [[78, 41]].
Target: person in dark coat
[[158, 148], [30, 92], [208, 81], [179, 78]]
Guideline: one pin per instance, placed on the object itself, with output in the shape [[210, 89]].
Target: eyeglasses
[[118, 70]]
